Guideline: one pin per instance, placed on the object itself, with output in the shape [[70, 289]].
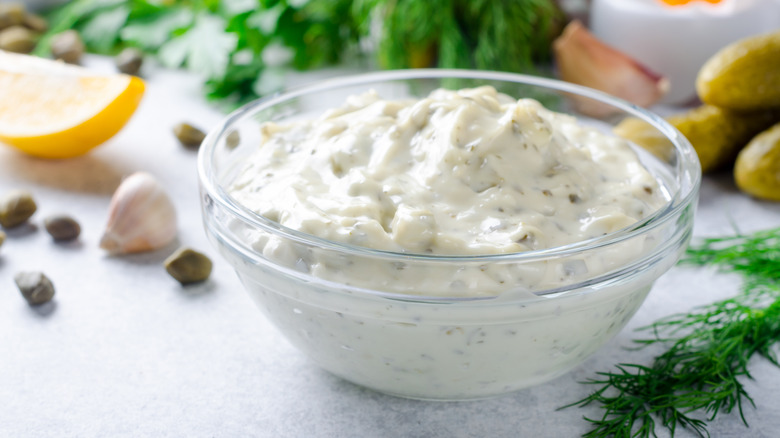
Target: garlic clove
[[141, 217], [583, 59]]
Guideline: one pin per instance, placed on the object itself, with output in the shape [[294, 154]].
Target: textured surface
[[123, 350]]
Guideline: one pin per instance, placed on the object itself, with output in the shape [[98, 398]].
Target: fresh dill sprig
[[707, 351], [481, 34], [756, 256]]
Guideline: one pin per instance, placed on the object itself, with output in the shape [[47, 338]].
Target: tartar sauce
[[468, 172], [461, 172]]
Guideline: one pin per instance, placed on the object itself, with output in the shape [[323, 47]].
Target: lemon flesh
[[52, 110]]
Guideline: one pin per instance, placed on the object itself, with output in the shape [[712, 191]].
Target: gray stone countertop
[[123, 350]]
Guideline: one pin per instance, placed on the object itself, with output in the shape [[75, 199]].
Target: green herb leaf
[[236, 7], [486, 34], [151, 32], [238, 83], [266, 20], [101, 31], [68, 17], [213, 37], [205, 48], [707, 350]]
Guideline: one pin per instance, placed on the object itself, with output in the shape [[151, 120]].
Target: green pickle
[[716, 134], [646, 136], [744, 75], [757, 170]]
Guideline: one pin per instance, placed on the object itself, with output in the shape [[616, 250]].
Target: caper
[[188, 135], [233, 139], [17, 39], [16, 207], [11, 14], [36, 287], [62, 228], [67, 46], [35, 23], [129, 61], [188, 266]]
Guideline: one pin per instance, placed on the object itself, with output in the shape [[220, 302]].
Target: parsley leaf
[[151, 32], [101, 31], [225, 41], [205, 48]]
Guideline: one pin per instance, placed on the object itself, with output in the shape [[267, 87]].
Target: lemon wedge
[[52, 110]]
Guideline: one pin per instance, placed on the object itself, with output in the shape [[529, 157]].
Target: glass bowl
[[388, 321]]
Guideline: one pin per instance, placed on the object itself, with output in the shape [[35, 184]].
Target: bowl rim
[[683, 196]]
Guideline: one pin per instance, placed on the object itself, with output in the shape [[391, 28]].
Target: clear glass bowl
[[391, 327]]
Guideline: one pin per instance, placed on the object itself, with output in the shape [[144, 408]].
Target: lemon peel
[[52, 110]]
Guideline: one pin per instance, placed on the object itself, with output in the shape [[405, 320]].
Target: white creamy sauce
[[466, 172], [459, 172]]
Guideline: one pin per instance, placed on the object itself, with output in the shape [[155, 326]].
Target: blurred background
[[243, 48]]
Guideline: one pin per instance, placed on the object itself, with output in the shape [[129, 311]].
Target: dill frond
[[708, 349]]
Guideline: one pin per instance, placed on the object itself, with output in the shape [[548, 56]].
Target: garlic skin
[[141, 217], [583, 59]]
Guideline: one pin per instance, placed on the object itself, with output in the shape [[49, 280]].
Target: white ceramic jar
[[676, 41]]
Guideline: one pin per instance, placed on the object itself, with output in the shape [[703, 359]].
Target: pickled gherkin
[[744, 75], [757, 170], [646, 136], [716, 134]]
